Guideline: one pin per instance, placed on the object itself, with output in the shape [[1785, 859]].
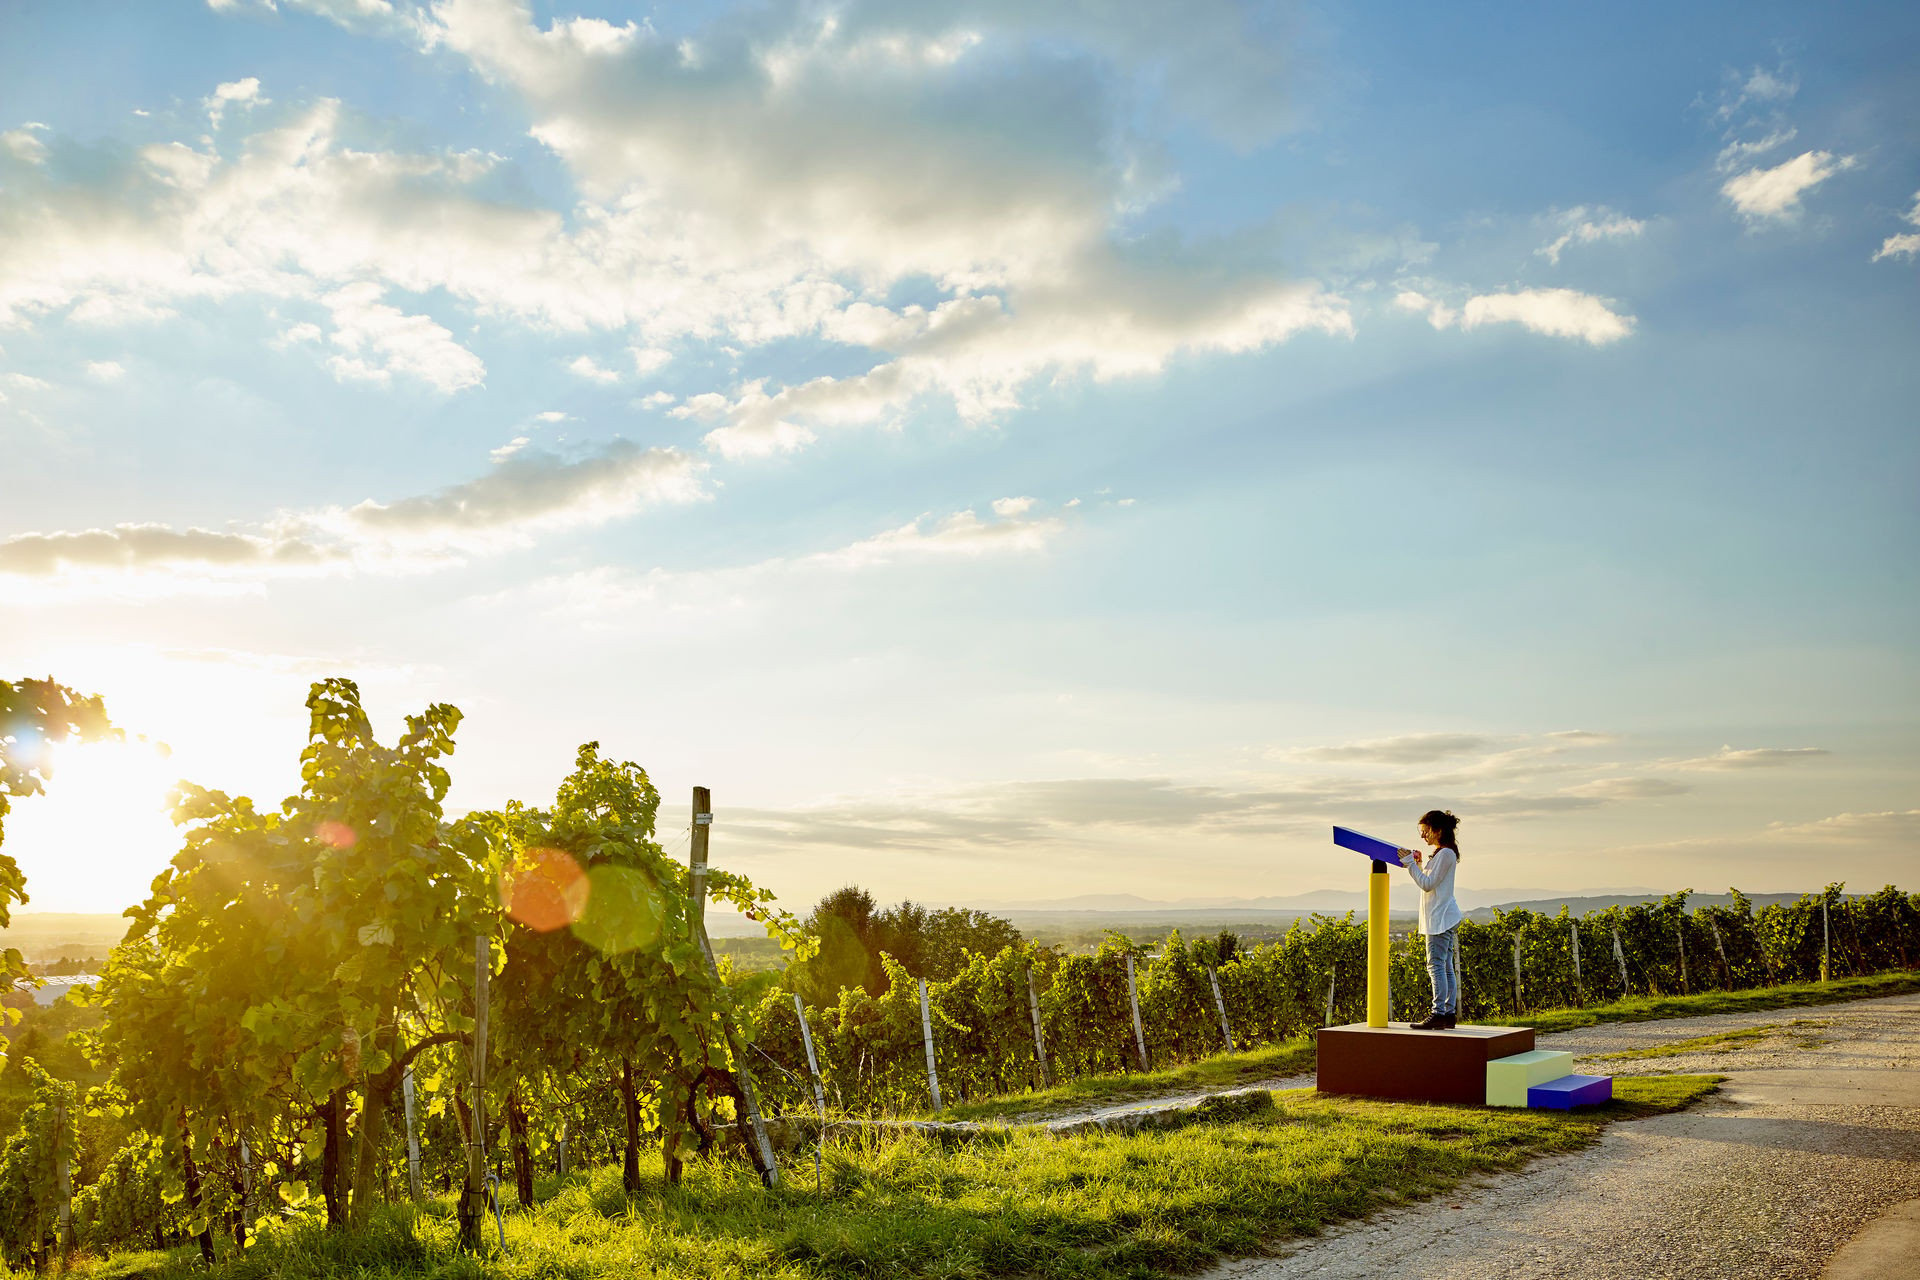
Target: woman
[[1439, 913]]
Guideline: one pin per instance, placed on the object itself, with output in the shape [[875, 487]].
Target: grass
[[1725, 1042], [1223, 1071], [1754, 1000], [1100, 1207], [1296, 1057]]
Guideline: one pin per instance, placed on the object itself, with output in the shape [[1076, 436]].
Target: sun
[[95, 840]]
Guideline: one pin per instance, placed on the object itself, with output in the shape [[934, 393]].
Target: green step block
[[1508, 1079]]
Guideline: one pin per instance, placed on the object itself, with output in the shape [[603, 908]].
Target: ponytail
[[1444, 825]]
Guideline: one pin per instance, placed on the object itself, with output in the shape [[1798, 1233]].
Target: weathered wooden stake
[[1133, 999], [1333, 977], [1579, 987], [813, 1063], [1620, 958], [697, 864], [1039, 1036], [473, 1193], [63, 1182], [1220, 1007], [1516, 975], [560, 1151], [1680, 939], [1826, 944], [926, 1037], [1726, 970], [413, 1135]]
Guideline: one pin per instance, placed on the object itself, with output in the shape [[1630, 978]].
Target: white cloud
[[586, 367], [1629, 789], [1559, 313], [235, 93], [648, 360], [105, 370], [22, 145], [1758, 86], [1588, 226], [1906, 244], [551, 415], [1894, 826], [377, 341], [510, 448], [656, 399], [528, 492], [1774, 194], [1737, 153], [963, 535], [1410, 748], [27, 382], [1752, 758]]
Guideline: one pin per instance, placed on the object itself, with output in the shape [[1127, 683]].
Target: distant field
[[46, 936]]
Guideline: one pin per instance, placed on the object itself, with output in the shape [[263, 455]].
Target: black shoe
[[1432, 1022], [1447, 1022]]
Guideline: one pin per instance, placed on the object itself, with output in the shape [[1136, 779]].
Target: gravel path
[[1815, 1136]]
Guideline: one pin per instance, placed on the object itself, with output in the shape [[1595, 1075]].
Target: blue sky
[[1005, 451]]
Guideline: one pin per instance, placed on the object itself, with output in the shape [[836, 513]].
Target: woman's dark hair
[[1444, 825]]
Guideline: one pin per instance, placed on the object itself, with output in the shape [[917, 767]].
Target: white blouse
[[1438, 911]]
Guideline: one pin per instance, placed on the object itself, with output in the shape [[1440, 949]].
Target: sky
[[1006, 451]]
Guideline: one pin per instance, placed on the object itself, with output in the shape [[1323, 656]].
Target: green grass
[[1100, 1207], [1754, 1000], [1295, 1057], [1223, 1071], [1725, 1042]]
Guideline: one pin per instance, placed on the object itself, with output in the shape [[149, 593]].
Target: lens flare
[[624, 911], [337, 834], [545, 890]]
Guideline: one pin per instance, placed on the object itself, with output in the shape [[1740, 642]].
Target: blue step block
[[1571, 1091]]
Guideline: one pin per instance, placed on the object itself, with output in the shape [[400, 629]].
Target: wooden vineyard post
[[926, 1037], [560, 1152], [1826, 944], [1220, 1007], [1333, 976], [63, 1181], [413, 1134], [472, 1209], [1039, 1036], [1726, 970], [1516, 974], [1620, 958], [1680, 942], [246, 1194], [1579, 987], [813, 1063], [1133, 1000], [697, 863]]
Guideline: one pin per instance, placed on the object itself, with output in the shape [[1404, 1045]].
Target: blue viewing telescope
[[1378, 850]]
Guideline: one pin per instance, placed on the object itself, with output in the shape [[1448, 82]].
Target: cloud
[[1583, 735], [143, 546], [648, 360], [1906, 244], [1584, 226], [1559, 313], [1412, 748], [963, 535], [105, 371], [586, 367], [1629, 788], [1737, 153], [1774, 194], [377, 341], [526, 493], [22, 145], [1752, 758], [531, 490], [1898, 826], [1757, 86], [240, 93]]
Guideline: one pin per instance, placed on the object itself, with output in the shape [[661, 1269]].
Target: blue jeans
[[1443, 967]]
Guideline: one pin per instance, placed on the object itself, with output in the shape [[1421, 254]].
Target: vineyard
[[351, 999]]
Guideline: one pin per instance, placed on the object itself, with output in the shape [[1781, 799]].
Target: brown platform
[[1396, 1061]]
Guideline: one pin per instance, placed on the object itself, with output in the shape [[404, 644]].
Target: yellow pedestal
[[1377, 946]]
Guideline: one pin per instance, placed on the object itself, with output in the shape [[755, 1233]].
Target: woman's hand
[[1415, 854]]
